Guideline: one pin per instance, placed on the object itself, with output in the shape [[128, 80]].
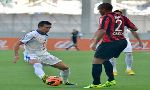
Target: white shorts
[[44, 58], [129, 47]]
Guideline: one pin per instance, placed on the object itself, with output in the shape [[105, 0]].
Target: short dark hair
[[118, 11], [106, 6], [42, 23]]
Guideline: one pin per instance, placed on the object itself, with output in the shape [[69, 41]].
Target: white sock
[[65, 74], [38, 70], [113, 62], [128, 60]]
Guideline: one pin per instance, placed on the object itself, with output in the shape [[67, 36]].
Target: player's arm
[[94, 36], [102, 31], [24, 40], [97, 31], [129, 24], [16, 50], [100, 35], [80, 34], [135, 34], [133, 30]]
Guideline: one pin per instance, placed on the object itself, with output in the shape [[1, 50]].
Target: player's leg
[[71, 45], [38, 68], [129, 61], [96, 73], [64, 72], [114, 64], [129, 58], [97, 70], [57, 63], [101, 56], [114, 50], [109, 70], [76, 46]]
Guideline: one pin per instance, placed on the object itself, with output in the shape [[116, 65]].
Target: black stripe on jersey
[[109, 29], [125, 21], [103, 22]]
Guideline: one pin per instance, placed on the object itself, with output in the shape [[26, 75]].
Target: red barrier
[[7, 43], [61, 44]]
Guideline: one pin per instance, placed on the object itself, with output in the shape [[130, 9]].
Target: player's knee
[[65, 68]]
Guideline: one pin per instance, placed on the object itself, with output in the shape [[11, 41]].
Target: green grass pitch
[[20, 76]]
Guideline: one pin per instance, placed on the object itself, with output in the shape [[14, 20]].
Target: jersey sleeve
[[129, 24], [104, 23], [80, 34], [27, 37]]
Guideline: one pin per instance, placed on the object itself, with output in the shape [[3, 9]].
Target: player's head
[[75, 31], [44, 26], [119, 12], [105, 8]]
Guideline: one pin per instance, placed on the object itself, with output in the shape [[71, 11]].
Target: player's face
[[45, 28]]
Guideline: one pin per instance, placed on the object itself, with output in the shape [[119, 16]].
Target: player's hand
[[92, 40], [141, 44], [16, 58], [93, 47]]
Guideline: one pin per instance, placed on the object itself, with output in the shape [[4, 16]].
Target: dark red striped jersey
[[114, 25]]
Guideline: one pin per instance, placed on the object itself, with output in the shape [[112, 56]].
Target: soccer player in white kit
[[127, 51], [37, 55], [128, 57]]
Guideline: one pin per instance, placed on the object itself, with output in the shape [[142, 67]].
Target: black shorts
[[110, 50], [74, 40]]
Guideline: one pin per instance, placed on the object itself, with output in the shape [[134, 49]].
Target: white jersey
[[126, 33], [34, 42], [129, 46], [35, 48]]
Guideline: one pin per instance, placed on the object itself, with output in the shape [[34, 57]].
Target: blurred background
[[21, 16]]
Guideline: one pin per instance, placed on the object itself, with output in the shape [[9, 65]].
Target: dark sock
[[96, 73], [109, 70]]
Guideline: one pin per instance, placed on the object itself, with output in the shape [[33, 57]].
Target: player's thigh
[[104, 51], [121, 45], [60, 65], [33, 61], [49, 59]]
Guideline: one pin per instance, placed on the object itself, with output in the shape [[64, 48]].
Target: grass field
[[20, 76]]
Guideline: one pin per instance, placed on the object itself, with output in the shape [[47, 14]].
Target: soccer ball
[[54, 81]]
